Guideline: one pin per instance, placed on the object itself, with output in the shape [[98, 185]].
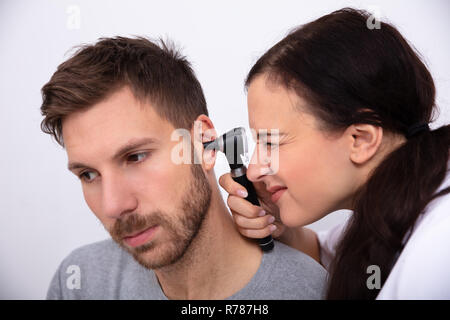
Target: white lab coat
[[422, 270]]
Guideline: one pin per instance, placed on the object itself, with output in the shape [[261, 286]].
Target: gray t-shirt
[[103, 270]]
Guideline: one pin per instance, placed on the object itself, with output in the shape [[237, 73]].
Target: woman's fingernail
[[262, 213], [272, 228], [242, 193], [271, 219]]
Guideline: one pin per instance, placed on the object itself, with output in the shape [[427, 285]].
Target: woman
[[352, 106]]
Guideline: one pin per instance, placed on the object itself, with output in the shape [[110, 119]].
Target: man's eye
[[137, 157], [85, 176], [89, 176]]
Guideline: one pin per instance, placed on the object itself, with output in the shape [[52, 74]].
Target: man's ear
[[364, 142], [204, 131]]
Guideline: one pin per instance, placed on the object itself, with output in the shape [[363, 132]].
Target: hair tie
[[416, 129]]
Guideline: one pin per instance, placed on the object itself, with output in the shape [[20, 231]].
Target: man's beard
[[182, 225]]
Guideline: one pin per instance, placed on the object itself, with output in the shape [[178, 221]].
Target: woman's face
[[309, 166]]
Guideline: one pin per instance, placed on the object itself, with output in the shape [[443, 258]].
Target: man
[[114, 106]]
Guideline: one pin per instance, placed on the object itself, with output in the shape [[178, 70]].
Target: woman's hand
[[252, 221]]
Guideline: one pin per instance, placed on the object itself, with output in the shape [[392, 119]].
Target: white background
[[43, 215]]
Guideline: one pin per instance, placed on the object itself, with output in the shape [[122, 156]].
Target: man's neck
[[218, 263]]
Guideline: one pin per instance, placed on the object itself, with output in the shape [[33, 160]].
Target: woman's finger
[[244, 207], [257, 233], [253, 223], [231, 186]]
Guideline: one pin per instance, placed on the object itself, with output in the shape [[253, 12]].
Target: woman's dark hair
[[351, 74]]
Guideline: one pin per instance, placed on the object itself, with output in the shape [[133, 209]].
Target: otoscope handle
[[239, 175]]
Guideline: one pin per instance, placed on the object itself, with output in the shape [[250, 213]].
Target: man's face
[[150, 205]]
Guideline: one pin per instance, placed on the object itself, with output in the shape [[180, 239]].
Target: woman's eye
[[269, 144]]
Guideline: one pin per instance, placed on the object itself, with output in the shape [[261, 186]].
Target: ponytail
[[386, 209]]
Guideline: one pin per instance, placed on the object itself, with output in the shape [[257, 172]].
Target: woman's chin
[[293, 216]]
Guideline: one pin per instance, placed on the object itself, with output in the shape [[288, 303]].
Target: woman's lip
[[140, 238], [274, 189], [277, 194]]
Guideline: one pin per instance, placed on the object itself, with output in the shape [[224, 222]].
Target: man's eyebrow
[[130, 145]]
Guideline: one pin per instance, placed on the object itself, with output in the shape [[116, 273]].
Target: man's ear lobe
[[365, 142]]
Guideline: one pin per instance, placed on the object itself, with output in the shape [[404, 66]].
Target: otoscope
[[234, 145]]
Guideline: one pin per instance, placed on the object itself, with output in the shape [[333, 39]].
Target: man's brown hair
[[154, 72]]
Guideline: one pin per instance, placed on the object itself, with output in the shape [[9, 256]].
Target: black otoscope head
[[234, 145]]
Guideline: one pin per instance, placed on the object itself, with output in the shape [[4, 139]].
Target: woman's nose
[[258, 167]]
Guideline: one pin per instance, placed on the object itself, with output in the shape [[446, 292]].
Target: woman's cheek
[[302, 176]]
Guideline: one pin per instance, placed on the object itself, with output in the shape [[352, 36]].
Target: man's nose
[[117, 196]]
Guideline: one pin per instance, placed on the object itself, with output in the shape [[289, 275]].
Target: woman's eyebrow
[[130, 145], [268, 133]]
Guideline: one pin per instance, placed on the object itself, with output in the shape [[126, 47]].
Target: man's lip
[[137, 233], [141, 238]]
